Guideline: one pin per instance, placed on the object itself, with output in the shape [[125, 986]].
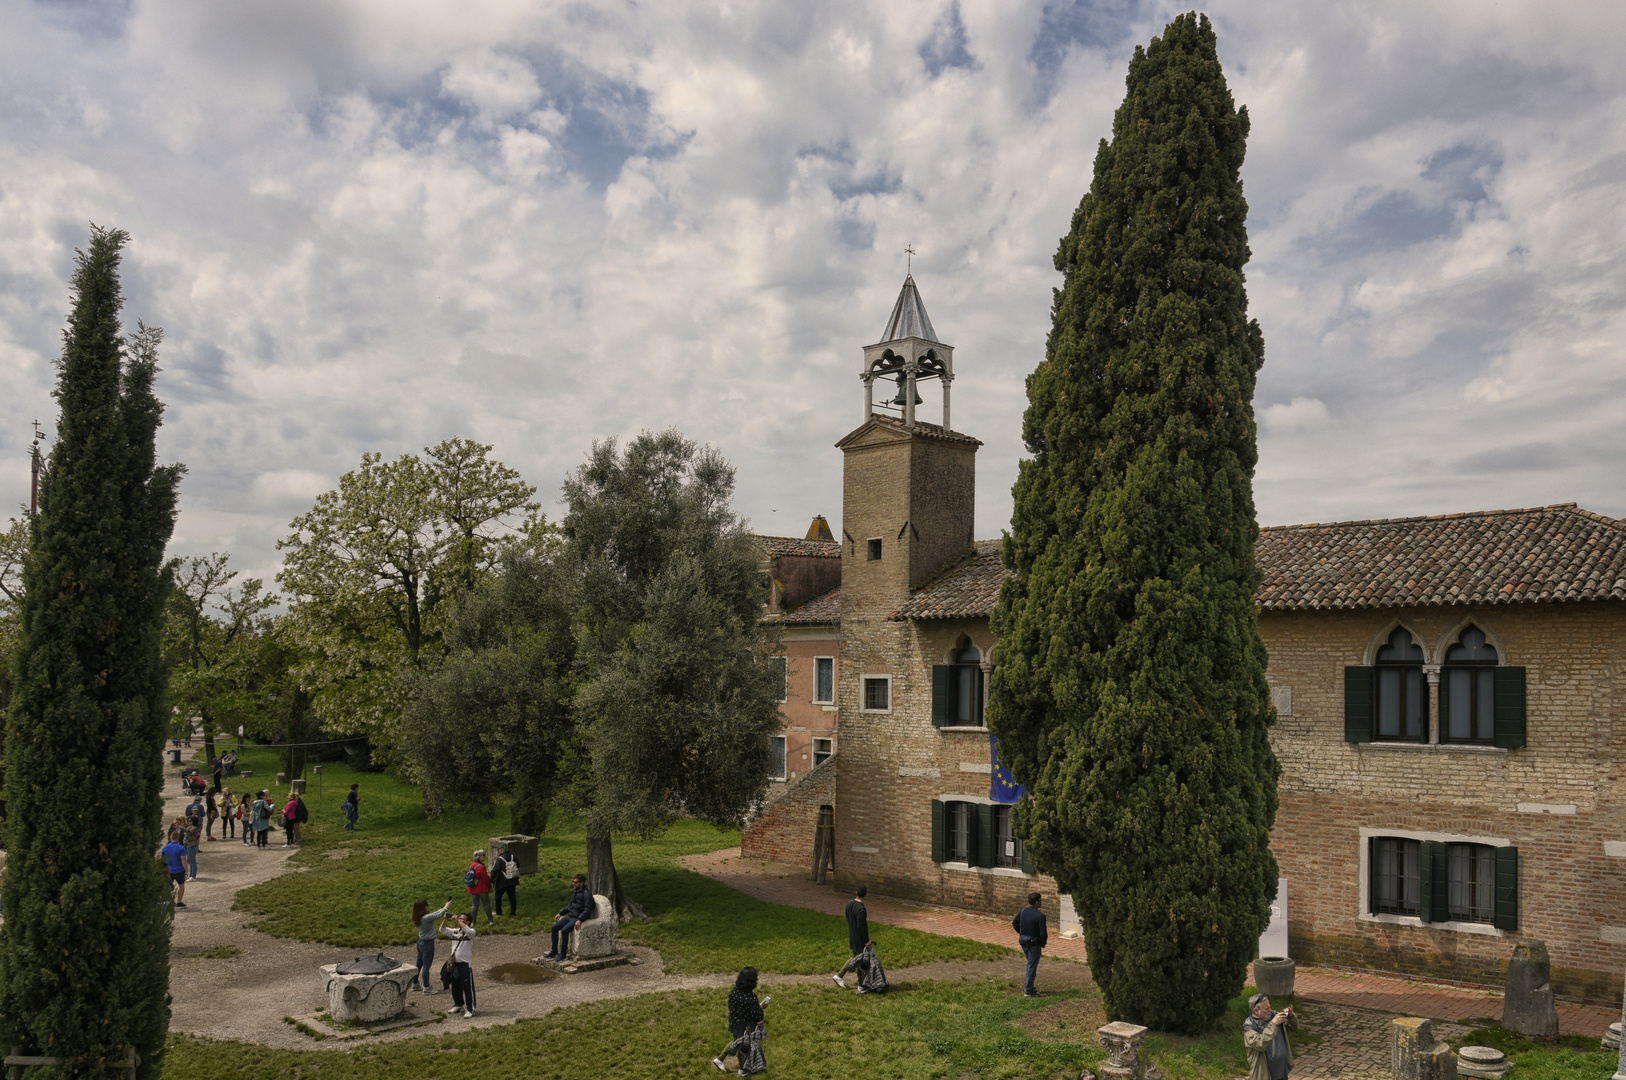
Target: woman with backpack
[[505, 879], [478, 881], [261, 819], [290, 822]]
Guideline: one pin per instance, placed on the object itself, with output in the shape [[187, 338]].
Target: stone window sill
[[1434, 748], [994, 871], [1484, 929], [975, 730]]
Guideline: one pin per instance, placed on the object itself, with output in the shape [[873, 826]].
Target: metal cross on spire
[[909, 251]]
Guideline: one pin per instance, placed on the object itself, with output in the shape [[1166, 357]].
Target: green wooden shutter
[[1436, 889], [1371, 875], [1359, 707], [942, 695], [1027, 862], [1507, 888], [1509, 708], [937, 831], [984, 853]]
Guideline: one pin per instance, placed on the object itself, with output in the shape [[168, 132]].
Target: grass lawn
[[1573, 1057], [918, 1030], [359, 887]]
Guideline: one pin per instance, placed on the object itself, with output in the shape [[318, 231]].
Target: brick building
[[804, 597], [1450, 693]]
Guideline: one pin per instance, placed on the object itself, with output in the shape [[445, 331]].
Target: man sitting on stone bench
[[571, 916]]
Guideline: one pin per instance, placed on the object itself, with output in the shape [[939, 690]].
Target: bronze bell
[[903, 383]]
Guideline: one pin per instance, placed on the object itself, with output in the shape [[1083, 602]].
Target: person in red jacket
[[478, 880]]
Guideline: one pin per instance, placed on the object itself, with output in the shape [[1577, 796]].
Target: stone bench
[[596, 936]]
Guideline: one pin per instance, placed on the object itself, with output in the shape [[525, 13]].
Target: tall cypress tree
[[1129, 686], [84, 963]]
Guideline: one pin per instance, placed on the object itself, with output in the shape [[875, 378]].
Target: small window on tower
[[875, 550]]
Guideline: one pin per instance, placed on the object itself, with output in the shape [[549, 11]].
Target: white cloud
[[370, 226], [1299, 415]]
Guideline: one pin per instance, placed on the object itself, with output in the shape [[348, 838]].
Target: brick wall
[[1558, 799], [784, 829], [805, 719]]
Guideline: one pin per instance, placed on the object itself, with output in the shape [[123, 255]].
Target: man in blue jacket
[[1033, 936], [571, 917]]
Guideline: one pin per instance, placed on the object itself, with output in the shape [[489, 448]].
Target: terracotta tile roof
[[968, 589], [774, 546], [922, 429], [822, 610], [1543, 554]]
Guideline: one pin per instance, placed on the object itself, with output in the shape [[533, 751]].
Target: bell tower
[[908, 354], [909, 486]]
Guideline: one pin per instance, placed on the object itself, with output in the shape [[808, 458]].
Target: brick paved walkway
[[1354, 1043], [789, 883]]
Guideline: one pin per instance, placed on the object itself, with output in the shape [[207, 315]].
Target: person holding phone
[[462, 963], [748, 1026], [424, 920], [1264, 1033]]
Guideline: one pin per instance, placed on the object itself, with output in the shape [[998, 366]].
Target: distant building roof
[[909, 318], [921, 430], [1544, 554], [822, 610], [774, 546], [968, 589]]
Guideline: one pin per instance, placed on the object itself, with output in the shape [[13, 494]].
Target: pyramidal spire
[[909, 318]]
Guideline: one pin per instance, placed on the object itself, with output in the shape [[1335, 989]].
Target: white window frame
[[831, 700], [784, 756], [1363, 899], [784, 673], [863, 693]]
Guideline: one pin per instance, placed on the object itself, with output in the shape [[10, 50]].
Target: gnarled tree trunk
[[602, 878]]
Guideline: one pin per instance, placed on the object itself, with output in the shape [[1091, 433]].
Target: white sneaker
[[839, 981], [720, 1066], [468, 1014]]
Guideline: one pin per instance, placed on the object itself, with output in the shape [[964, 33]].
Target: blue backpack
[[470, 878]]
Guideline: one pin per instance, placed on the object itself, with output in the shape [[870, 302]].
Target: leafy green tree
[[84, 971], [374, 570], [1129, 684], [208, 625], [621, 669]]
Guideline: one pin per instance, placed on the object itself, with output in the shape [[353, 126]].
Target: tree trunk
[[602, 878]]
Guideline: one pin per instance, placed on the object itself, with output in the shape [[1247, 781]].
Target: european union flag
[[1003, 788]]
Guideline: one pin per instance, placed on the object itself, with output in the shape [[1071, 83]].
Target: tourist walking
[[261, 819], [290, 822], [211, 815], [478, 881], [1033, 935], [1265, 1035], [871, 975], [352, 808], [174, 856], [217, 769], [228, 814], [857, 921], [505, 879], [571, 917], [747, 1025], [425, 920], [245, 814], [462, 965], [190, 835]]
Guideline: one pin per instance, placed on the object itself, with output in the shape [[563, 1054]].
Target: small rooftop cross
[[909, 252]]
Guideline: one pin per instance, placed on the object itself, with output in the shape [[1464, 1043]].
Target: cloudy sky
[[375, 224]]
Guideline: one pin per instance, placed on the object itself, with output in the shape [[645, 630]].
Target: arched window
[[1402, 693], [1468, 689], [957, 689]]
